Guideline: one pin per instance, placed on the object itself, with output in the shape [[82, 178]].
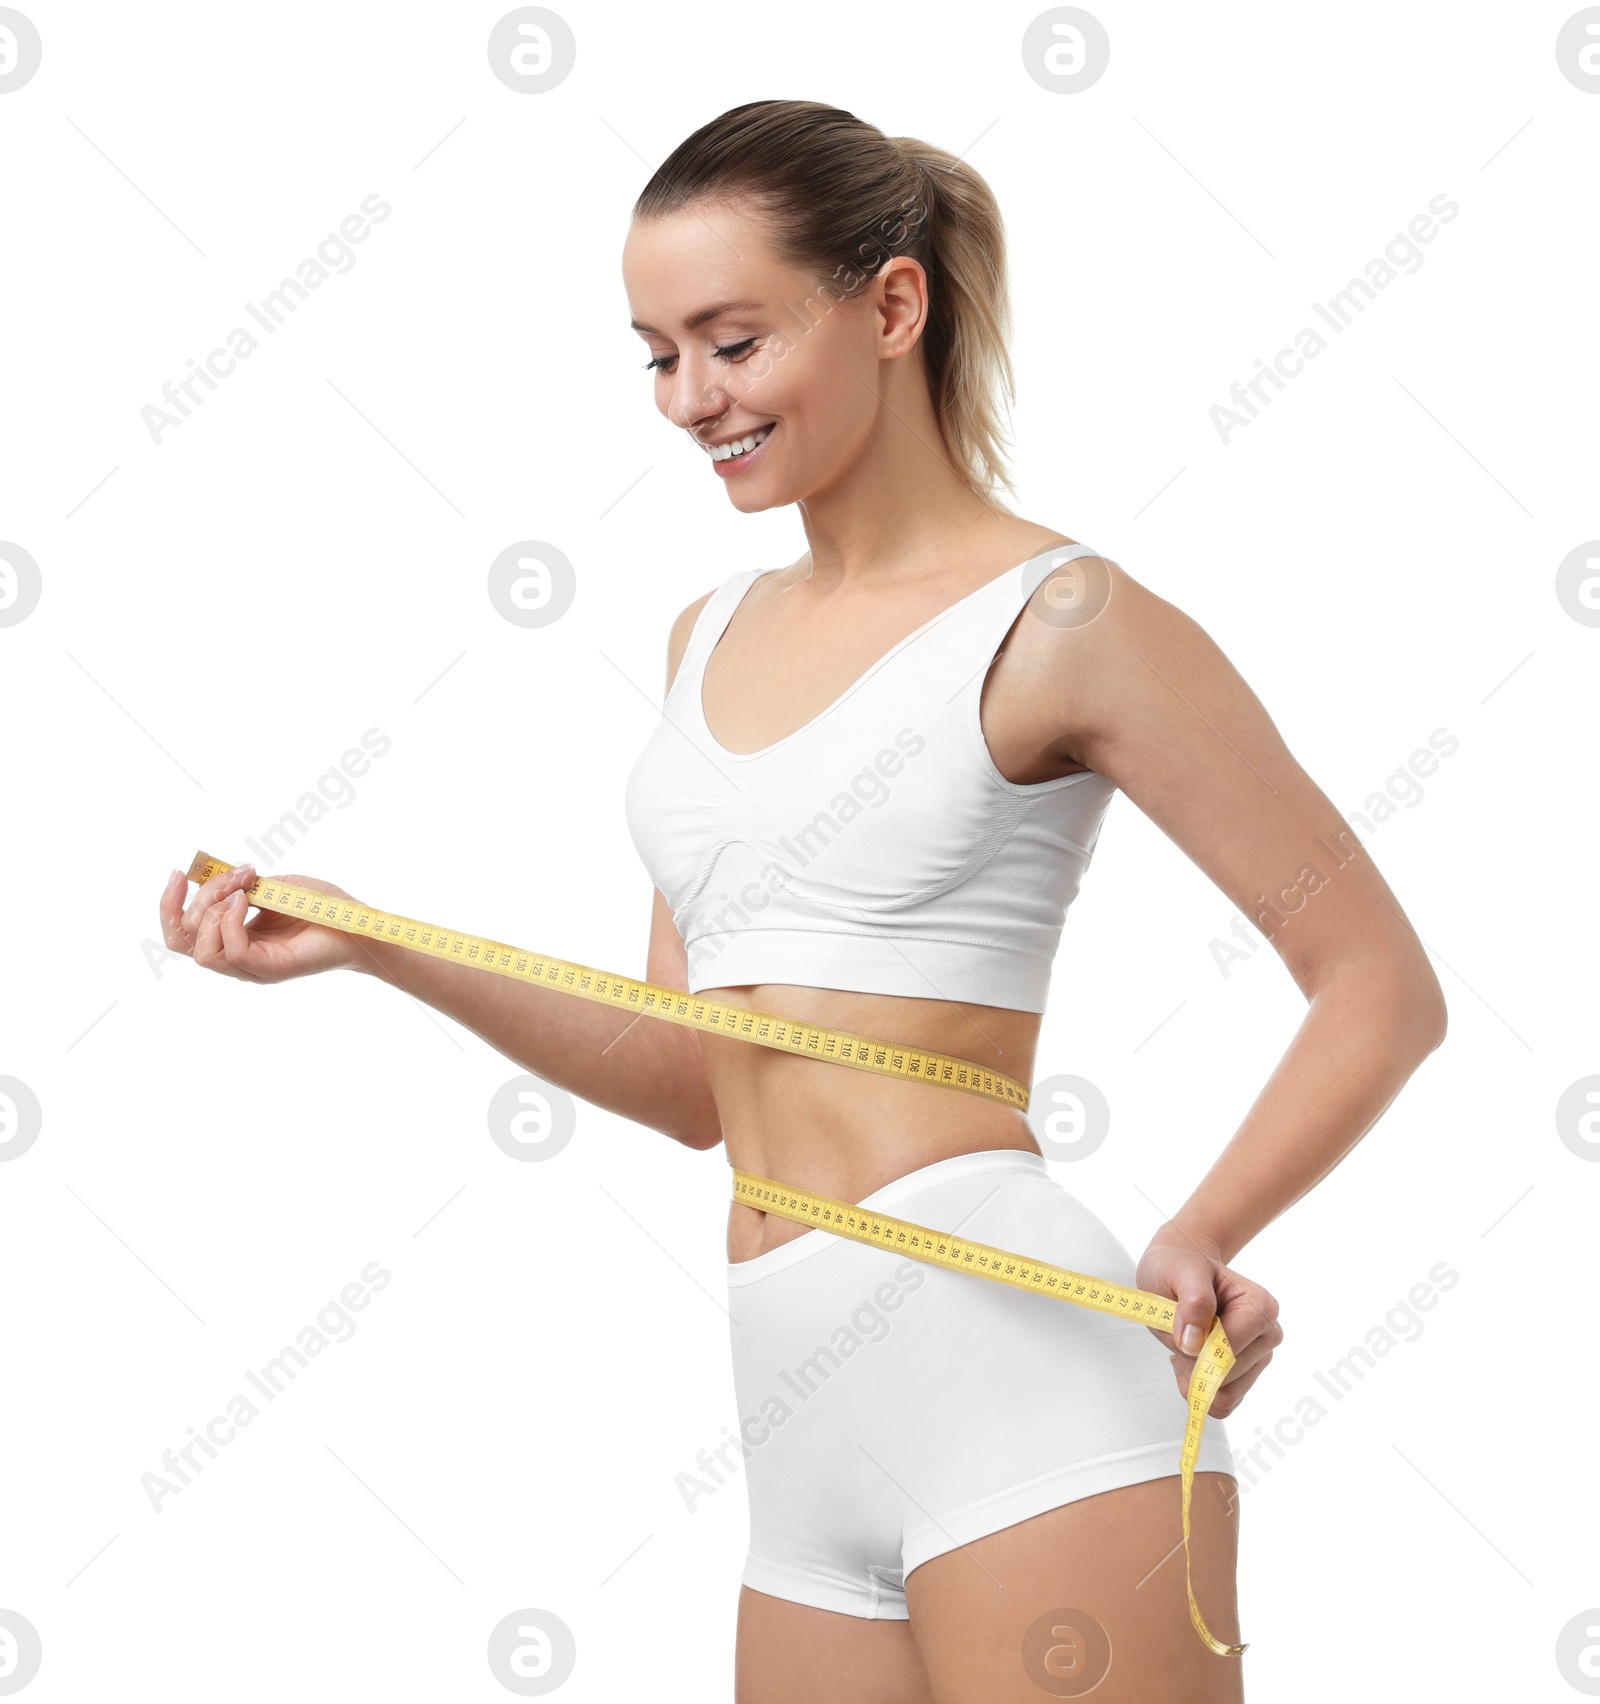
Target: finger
[[177, 938], [1197, 1313], [210, 952], [248, 957], [1246, 1306], [1250, 1360], [1251, 1339], [1226, 1396], [1231, 1395], [217, 888], [1241, 1375], [208, 897], [1251, 1330], [207, 932]]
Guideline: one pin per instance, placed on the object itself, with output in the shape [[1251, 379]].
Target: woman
[[877, 783]]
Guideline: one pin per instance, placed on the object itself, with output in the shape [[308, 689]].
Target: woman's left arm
[[1138, 691]]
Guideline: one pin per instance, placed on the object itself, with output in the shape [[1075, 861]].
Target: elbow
[[702, 1136], [1405, 1001], [702, 1141], [1427, 1016], [1427, 1004], [1438, 1023]]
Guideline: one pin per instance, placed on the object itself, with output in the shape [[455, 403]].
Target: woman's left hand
[[1180, 1265]]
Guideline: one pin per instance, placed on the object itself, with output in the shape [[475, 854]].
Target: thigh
[[1012, 1618], [790, 1653]]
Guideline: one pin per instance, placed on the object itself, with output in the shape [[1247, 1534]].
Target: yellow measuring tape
[[862, 1053], [626, 993]]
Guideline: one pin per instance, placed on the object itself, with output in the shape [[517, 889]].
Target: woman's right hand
[[212, 931]]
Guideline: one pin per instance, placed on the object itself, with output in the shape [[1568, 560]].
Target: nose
[[699, 394]]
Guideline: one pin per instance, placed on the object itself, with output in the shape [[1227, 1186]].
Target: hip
[[1001, 1195], [882, 1339]]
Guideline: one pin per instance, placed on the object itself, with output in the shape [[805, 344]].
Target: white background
[[306, 558]]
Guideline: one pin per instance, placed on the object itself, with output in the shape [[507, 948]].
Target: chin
[[754, 502]]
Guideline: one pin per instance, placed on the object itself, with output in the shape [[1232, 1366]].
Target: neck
[[899, 509]]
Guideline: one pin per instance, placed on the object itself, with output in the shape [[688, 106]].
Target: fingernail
[[173, 877], [1193, 1339]]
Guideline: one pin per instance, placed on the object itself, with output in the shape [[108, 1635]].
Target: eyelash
[[658, 362]]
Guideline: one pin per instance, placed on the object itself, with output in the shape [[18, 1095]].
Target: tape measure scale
[[863, 1053], [980, 1260], [627, 993]]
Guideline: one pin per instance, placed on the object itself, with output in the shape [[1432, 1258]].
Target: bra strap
[[1036, 572], [715, 614], [1018, 588]]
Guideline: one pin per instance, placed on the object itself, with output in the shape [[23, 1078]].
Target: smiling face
[[744, 347]]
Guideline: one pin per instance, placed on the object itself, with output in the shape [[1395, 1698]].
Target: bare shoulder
[[1088, 621], [1121, 680], [1092, 593], [678, 637]]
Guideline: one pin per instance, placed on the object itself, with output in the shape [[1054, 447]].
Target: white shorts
[[891, 1411]]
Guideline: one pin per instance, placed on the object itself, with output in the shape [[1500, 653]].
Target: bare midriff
[[843, 1132]]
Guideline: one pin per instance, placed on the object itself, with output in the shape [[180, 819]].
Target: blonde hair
[[841, 197]]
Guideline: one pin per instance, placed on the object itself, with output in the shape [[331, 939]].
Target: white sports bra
[[876, 849]]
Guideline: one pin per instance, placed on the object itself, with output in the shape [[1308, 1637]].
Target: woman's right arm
[[649, 1071]]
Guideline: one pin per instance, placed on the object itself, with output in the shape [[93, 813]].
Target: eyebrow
[[700, 318]]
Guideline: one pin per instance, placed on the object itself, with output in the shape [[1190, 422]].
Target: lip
[[731, 466]]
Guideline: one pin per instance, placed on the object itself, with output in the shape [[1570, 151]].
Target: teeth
[[739, 446]]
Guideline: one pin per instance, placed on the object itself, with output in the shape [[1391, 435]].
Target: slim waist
[[894, 1194]]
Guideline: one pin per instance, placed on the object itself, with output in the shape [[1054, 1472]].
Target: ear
[[902, 305]]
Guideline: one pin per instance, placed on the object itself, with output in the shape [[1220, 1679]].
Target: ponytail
[[969, 319], [840, 197]]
